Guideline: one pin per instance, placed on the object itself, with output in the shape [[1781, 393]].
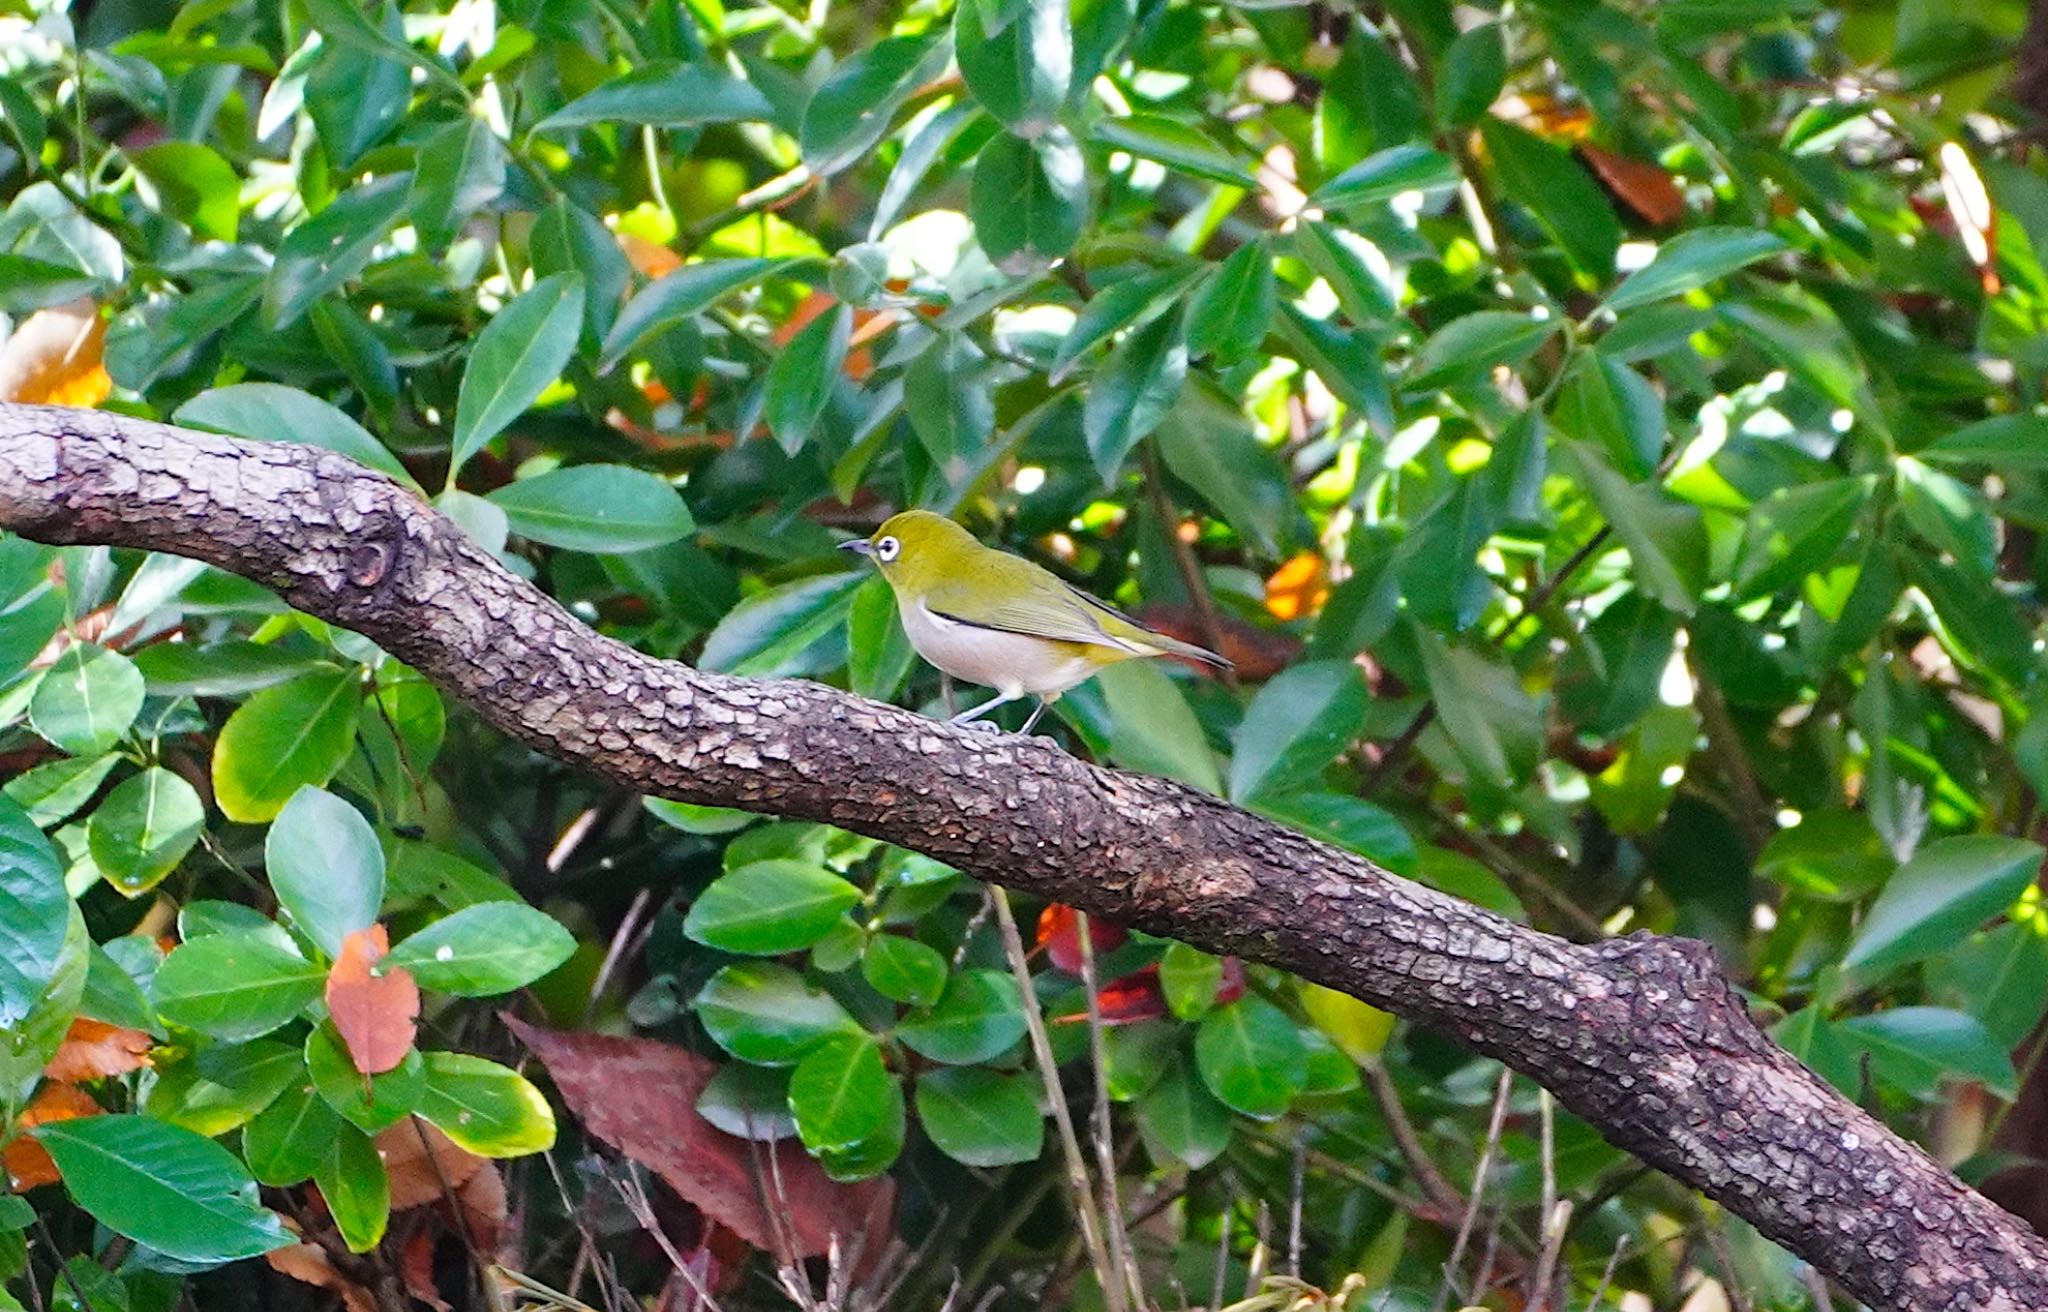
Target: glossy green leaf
[[848, 1107], [268, 412], [36, 912], [87, 699], [145, 828], [1470, 75], [331, 248], [484, 950], [52, 791], [879, 655], [461, 170], [904, 970], [369, 1102], [764, 1013], [282, 739], [516, 356], [1690, 260], [949, 399], [1939, 897], [852, 109], [164, 1187], [1181, 1121], [1379, 178], [981, 1117], [1029, 200], [355, 1187], [1563, 198], [977, 1018], [1251, 1057], [1917, 1047], [768, 632], [2011, 444], [803, 377], [664, 94], [224, 1085], [2001, 977], [325, 866], [1175, 144], [749, 1102], [676, 297], [1153, 728], [767, 908], [603, 508], [235, 987], [1794, 531], [287, 1141], [194, 184], [1134, 391], [1019, 74], [1296, 725], [1230, 312], [1348, 822], [491, 1110], [1189, 978]]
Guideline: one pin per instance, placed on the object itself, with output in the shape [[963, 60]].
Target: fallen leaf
[[309, 1264], [640, 1097], [377, 1014], [93, 1049], [53, 358], [26, 1162], [417, 1169]]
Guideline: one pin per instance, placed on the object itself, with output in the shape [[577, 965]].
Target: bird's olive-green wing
[[1014, 595]]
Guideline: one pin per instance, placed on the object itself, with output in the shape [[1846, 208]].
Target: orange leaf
[[53, 358], [416, 1176], [1642, 186], [1059, 935], [309, 1264], [1297, 588], [27, 1164], [647, 257], [93, 1049], [377, 1014]]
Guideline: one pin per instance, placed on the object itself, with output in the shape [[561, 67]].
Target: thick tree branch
[[1641, 1036]]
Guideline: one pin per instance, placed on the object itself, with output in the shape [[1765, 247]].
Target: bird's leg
[[1037, 711], [947, 695], [976, 712]]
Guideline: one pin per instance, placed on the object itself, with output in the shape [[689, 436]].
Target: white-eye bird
[[998, 620]]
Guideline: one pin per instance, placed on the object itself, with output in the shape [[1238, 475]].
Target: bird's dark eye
[[887, 548]]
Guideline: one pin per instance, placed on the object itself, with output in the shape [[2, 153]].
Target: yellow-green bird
[[988, 617]]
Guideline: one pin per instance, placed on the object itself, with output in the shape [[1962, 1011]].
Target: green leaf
[[1298, 723], [224, 1085], [36, 914], [678, 296], [2010, 444], [197, 187], [1380, 177], [1834, 855], [369, 1102], [1796, 530], [269, 412], [1230, 312], [878, 652], [484, 950], [1029, 199], [28, 284], [803, 377], [1564, 199], [282, 739], [1666, 539], [947, 395], [1939, 897], [1470, 74], [1476, 344], [1808, 1035], [355, 1187], [461, 170], [1610, 405], [343, 23], [848, 1107], [1358, 1029], [144, 829], [1134, 391], [600, 508], [111, 993], [519, 353], [1496, 725], [1207, 443], [664, 94], [854, 107], [1915, 1047], [55, 789], [1019, 74], [491, 1110], [2001, 978], [288, 1140], [977, 1019], [1175, 144], [325, 866], [87, 699], [903, 969], [769, 632], [767, 908], [234, 987], [327, 250], [221, 669], [1690, 260], [568, 238], [1251, 1057], [1110, 311], [1154, 729], [164, 1187], [749, 1102], [1181, 1121], [981, 1117], [765, 1013], [1189, 978], [1348, 822]]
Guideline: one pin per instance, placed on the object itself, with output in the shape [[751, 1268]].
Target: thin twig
[[1190, 569], [1294, 1205], [1607, 1276], [1222, 1256], [1493, 1129], [1556, 1225], [1731, 1281], [1117, 1237], [1070, 1145], [1437, 1190]]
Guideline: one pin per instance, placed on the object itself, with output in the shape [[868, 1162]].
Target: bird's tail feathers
[[1175, 647]]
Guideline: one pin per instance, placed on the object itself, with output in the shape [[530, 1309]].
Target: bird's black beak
[[858, 546]]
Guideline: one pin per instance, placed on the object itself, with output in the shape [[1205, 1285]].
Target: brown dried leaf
[[1642, 186], [26, 1162], [93, 1049], [377, 1015], [412, 1164], [309, 1264], [53, 358], [640, 1097]]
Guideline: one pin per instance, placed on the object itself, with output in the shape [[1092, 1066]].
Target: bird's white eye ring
[[887, 548]]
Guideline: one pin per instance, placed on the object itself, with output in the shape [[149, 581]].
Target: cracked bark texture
[[1641, 1036]]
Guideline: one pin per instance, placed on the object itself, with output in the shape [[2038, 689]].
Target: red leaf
[[1137, 996], [640, 1097], [378, 1015], [1642, 186], [93, 1049], [1062, 941]]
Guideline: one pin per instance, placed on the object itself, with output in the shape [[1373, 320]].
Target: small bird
[[991, 618]]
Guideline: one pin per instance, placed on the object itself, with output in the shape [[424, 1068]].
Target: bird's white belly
[[1012, 663]]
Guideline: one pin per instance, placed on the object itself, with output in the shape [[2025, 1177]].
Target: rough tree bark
[[1641, 1036]]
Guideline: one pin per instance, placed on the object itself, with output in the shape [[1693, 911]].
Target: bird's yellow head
[[918, 549]]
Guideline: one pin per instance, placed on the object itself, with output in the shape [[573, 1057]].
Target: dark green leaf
[[484, 950], [664, 94], [1379, 178], [461, 170], [1182, 1122], [355, 1187], [976, 1019], [903, 969], [1939, 897], [766, 908], [765, 1014], [1230, 312], [1693, 259], [287, 1141], [369, 1102], [1134, 391], [675, 297], [518, 354], [326, 867], [803, 377], [1794, 531], [1189, 979], [284, 738], [1029, 201], [1019, 74], [768, 632], [1154, 729], [750, 1102], [144, 829], [329, 249], [854, 107], [2010, 444], [1916, 1047], [234, 987], [1564, 199], [981, 1117], [37, 914], [1296, 725], [1175, 144], [268, 412], [1470, 75], [164, 1187], [55, 789]]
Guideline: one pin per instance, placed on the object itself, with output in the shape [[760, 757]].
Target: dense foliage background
[[1605, 435]]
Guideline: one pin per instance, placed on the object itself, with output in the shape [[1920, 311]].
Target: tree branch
[[1641, 1036]]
